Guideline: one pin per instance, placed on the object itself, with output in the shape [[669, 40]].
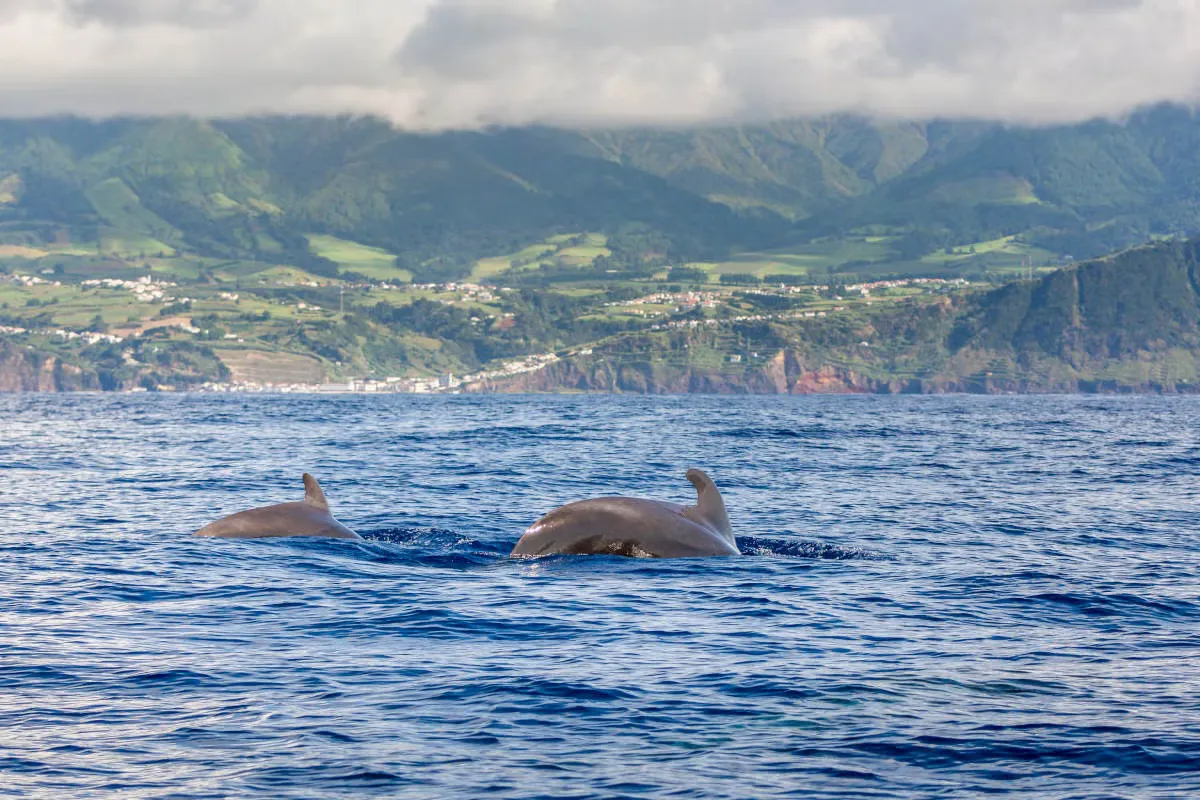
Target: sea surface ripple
[[942, 597]]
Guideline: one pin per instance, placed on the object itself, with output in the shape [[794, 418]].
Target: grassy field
[[805, 260], [369, 261], [10, 189], [281, 275], [1007, 255], [873, 255], [133, 227], [994, 189], [74, 307], [261, 366], [266, 244], [491, 267], [21, 252], [582, 255], [551, 250], [133, 246]]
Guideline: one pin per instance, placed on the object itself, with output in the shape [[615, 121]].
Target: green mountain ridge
[[256, 188]]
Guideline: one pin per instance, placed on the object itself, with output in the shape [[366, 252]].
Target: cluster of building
[[311, 284], [510, 369], [863, 289], [445, 383], [90, 337], [363, 386], [466, 291], [866, 288], [783, 288], [698, 323], [682, 301], [145, 289], [33, 280], [95, 337], [686, 301]]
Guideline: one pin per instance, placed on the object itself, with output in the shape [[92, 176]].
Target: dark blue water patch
[[1121, 606], [767, 433], [1124, 757], [939, 597]]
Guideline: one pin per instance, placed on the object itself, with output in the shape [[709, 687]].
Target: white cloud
[[456, 63]]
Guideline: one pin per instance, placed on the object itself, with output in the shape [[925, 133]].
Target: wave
[[791, 548]]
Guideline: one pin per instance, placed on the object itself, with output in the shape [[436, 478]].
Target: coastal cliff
[[1129, 323], [26, 370], [787, 373]]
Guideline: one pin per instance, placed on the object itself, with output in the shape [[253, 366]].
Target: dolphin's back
[[311, 517], [621, 526], [286, 519]]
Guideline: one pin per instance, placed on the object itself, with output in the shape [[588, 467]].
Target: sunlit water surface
[[940, 597]]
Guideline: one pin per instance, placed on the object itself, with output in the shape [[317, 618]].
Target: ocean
[[938, 597]]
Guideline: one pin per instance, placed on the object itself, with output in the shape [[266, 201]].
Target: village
[[446, 383], [233, 317]]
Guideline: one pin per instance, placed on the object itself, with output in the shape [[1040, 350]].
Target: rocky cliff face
[[788, 372], [785, 373], [23, 370]]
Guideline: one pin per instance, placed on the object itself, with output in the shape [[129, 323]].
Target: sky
[[444, 64]]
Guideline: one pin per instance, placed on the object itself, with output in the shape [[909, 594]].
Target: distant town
[[442, 384], [233, 317]]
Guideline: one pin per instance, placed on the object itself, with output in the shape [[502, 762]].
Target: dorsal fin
[[710, 506], [313, 494]]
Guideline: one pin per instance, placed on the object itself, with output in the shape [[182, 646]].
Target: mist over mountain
[[467, 64]]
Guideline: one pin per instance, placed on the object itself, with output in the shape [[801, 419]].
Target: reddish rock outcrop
[[23, 370], [785, 373]]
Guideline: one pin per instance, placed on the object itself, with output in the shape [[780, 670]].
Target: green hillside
[[796, 168], [1129, 322], [841, 196], [261, 189]]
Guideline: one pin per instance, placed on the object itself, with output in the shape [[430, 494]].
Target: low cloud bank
[[433, 64]]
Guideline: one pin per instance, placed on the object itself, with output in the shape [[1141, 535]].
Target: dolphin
[[310, 517], [629, 526]]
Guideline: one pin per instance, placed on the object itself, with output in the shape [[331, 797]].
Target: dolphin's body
[[310, 517], [626, 526]]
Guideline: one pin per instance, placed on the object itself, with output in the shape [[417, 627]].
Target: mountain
[[254, 189], [911, 197], [1082, 190], [797, 168]]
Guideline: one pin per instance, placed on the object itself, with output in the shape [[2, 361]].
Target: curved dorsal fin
[[313, 494], [710, 506]]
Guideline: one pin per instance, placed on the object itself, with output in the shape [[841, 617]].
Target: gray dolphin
[[628, 526], [310, 517]]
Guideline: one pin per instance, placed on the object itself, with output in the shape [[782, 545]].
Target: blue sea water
[[940, 597]]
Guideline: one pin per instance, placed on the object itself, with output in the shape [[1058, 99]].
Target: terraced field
[[261, 366]]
